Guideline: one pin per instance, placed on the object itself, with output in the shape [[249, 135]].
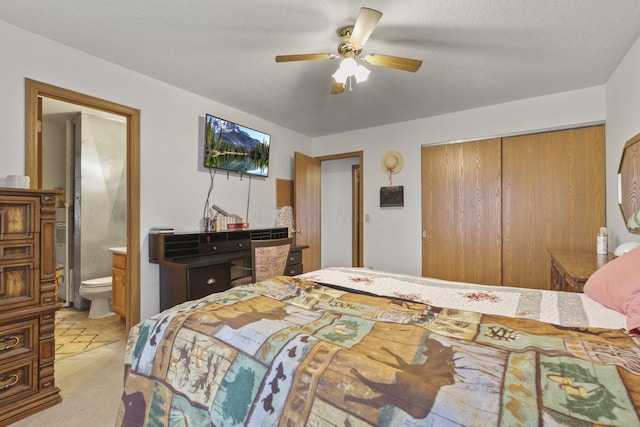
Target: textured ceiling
[[474, 53]]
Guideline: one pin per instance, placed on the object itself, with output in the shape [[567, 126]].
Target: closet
[[492, 209]]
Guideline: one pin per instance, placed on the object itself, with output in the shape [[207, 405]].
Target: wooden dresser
[[27, 303], [571, 269]]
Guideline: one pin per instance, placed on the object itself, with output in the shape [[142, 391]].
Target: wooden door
[[307, 208], [553, 198], [461, 212]]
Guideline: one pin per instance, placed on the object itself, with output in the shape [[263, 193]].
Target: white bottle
[[602, 245]]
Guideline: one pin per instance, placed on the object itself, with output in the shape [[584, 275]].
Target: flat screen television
[[233, 147]]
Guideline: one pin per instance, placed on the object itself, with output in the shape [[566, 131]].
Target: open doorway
[[35, 93], [308, 204], [340, 212], [86, 159]]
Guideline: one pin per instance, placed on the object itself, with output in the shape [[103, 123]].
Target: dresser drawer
[[18, 285], [18, 339], [18, 250], [19, 218], [18, 379]]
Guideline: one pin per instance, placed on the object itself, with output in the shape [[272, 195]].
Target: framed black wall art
[[392, 196]]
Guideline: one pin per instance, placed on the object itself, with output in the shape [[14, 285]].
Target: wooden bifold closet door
[[461, 212], [553, 189], [550, 195]]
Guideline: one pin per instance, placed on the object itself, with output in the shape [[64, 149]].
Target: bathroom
[[84, 153]]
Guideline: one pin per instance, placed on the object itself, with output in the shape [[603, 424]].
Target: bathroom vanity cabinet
[[27, 303], [118, 282]]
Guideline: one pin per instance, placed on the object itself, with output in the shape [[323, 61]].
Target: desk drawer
[[293, 270], [230, 246], [295, 258], [202, 281]]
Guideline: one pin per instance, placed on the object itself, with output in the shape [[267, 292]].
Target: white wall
[[392, 238], [623, 122], [173, 186]]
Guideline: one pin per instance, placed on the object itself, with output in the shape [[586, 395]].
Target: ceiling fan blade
[[337, 88], [365, 24], [404, 64], [305, 57]]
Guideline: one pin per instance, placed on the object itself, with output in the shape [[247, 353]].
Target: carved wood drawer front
[[18, 379], [47, 293], [18, 285], [18, 218], [17, 250], [18, 339]]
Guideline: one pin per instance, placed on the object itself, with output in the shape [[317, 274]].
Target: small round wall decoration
[[391, 163]]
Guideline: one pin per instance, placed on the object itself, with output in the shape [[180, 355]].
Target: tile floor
[[76, 333]]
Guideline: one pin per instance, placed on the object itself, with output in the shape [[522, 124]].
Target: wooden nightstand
[[571, 269]]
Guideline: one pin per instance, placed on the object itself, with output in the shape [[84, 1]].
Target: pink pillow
[[617, 285]]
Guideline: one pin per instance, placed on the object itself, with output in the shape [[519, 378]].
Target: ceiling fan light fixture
[[362, 73], [350, 46], [349, 67]]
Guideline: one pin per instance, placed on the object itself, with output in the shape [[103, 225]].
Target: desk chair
[[268, 259]]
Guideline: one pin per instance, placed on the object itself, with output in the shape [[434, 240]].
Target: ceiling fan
[[352, 40]]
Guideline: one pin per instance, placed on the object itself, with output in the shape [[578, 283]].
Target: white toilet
[[99, 292]]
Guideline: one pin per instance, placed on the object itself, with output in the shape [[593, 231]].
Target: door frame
[[34, 91], [356, 216]]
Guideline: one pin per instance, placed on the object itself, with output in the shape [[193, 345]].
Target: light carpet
[[91, 386]]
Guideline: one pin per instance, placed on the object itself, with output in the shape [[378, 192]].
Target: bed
[[358, 347]]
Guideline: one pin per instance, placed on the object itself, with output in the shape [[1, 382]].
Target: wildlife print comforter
[[291, 352]]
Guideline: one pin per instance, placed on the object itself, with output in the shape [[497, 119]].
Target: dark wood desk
[[193, 265]]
